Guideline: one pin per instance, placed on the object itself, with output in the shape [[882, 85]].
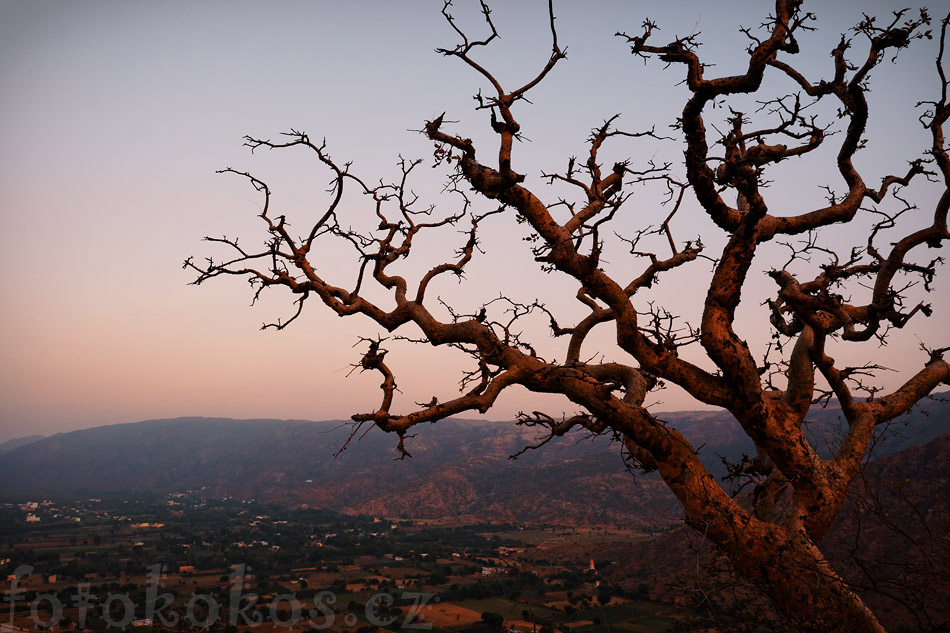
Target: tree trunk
[[791, 571]]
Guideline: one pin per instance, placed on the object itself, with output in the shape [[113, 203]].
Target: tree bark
[[802, 586]]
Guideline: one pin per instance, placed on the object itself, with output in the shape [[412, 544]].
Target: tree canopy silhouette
[[824, 297]]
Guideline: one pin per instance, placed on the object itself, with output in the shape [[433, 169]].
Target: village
[[181, 562]]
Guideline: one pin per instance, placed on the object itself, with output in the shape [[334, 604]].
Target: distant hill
[[458, 468], [9, 445], [824, 427]]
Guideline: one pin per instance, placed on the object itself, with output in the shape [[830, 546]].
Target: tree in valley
[[826, 299]]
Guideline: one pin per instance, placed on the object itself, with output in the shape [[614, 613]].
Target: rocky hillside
[[458, 467]]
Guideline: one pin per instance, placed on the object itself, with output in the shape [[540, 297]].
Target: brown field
[[450, 615]]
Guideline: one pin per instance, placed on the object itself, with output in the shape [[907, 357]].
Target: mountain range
[[458, 467], [15, 443]]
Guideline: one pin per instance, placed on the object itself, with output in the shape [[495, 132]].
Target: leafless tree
[[770, 535]]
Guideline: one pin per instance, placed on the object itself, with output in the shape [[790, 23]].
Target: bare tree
[[770, 535]]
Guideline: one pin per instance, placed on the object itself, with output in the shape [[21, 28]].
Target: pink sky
[[115, 115]]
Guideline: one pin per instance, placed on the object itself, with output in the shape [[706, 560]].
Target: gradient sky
[[114, 116]]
